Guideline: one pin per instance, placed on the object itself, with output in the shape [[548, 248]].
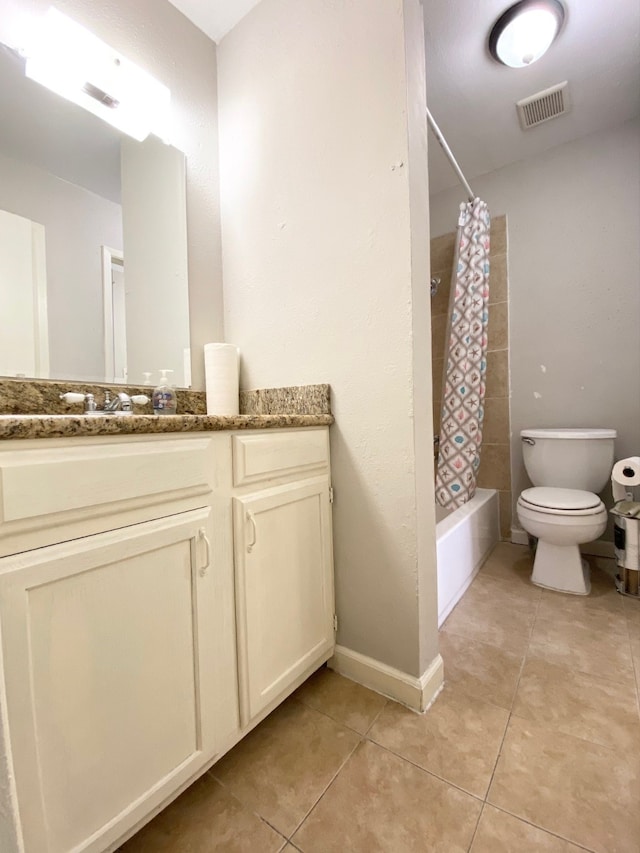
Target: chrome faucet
[[122, 402]]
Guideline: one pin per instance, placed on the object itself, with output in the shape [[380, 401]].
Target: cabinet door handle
[[252, 522], [207, 551]]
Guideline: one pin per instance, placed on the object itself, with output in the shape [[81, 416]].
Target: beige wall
[[574, 279], [322, 180], [155, 35], [495, 461]]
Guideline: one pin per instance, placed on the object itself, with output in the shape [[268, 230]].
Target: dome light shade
[[525, 32]]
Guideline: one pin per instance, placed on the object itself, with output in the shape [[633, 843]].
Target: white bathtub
[[464, 537]]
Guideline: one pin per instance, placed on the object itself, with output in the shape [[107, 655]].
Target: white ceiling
[[215, 17], [472, 97]]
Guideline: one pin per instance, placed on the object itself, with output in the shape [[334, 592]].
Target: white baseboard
[[519, 536], [415, 693]]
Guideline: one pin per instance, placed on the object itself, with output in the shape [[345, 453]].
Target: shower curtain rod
[[454, 163]]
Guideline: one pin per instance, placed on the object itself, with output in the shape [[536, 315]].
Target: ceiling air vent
[[543, 106]]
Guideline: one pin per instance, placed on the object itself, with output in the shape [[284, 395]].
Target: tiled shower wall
[[495, 464]]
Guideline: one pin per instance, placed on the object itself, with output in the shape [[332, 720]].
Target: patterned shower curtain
[[466, 359]]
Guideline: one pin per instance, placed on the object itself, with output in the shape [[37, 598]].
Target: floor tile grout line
[[324, 791], [246, 804], [636, 668], [424, 769], [249, 807], [477, 827], [596, 675], [569, 667], [510, 711], [495, 764], [577, 844], [525, 655], [515, 693], [619, 751], [257, 814], [376, 718], [341, 722], [636, 665], [511, 715], [574, 667], [500, 649], [477, 641], [453, 685]]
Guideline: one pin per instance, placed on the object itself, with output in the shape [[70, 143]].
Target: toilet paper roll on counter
[[222, 378], [625, 475]]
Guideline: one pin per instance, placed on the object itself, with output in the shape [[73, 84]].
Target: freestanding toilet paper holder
[[626, 525], [626, 535]]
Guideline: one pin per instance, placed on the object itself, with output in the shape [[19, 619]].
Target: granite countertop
[[67, 426], [266, 408]]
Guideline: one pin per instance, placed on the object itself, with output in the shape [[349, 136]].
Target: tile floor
[[534, 744]]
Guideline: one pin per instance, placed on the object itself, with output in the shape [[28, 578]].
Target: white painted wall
[[154, 34], [323, 181], [74, 272], [573, 220]]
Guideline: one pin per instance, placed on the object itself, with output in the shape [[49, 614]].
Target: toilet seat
[[563, 502]]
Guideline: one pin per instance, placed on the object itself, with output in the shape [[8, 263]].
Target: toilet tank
[[569, 458]]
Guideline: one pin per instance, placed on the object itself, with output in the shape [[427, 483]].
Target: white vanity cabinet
[[143, 631], [108, 666], [283, 563]]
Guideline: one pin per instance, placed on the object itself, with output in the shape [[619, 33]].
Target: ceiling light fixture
[[525, 32], [71, 61]]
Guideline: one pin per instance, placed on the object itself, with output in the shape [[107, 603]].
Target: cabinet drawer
[[265, 456], [46, 486]]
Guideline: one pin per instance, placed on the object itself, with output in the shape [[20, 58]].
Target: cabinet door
[[108, 651], [284, 588]]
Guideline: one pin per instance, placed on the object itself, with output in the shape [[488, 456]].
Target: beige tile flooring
[[534, 744]]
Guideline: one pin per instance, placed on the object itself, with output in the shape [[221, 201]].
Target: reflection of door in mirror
[[119, 322], [24, 343], [115, 315]]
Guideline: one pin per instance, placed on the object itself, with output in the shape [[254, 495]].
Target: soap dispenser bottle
[[164, 396]]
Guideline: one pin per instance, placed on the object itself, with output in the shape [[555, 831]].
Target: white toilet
[[567, 467]]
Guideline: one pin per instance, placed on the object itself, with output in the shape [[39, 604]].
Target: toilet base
[[561, 568]]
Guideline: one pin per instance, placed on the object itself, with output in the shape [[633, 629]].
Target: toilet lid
[[565, 500]]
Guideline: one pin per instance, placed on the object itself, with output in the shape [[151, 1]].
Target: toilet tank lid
[[568, 433]]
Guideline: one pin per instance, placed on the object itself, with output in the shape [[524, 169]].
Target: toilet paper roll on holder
[[624, 476]]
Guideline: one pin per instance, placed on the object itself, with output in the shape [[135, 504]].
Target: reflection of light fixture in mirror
[[525, 32], [74, 63]]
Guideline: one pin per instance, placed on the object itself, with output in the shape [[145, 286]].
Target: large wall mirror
[[93, 244]]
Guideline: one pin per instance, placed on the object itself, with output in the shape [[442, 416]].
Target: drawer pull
[[252, 521], [207, 551]]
